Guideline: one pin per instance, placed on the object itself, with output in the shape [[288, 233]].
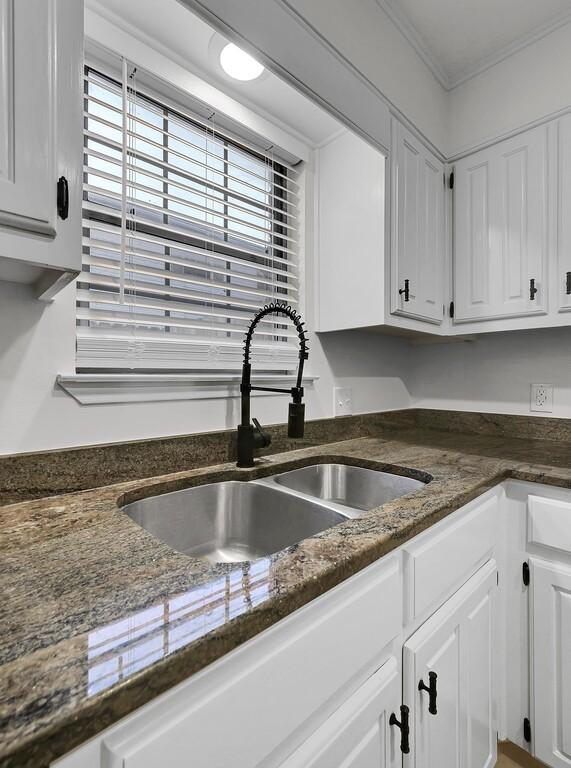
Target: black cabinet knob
[[532, 289]]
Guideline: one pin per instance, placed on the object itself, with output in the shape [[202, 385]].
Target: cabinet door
[[456, 643], [551, 660], [358, 734], [564, 213], [500, 225], [27, 105], [417, 229], [351, 234]]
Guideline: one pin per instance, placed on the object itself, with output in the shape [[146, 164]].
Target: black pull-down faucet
[[252, 436]]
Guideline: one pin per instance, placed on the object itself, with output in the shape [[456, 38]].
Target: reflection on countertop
[[122, 648]]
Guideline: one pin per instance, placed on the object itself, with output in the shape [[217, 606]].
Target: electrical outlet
[[342, 401], [541, 398]]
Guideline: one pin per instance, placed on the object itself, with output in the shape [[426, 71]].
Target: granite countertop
[[98, 617]]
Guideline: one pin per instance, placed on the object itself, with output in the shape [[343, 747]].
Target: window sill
[[110, 388]]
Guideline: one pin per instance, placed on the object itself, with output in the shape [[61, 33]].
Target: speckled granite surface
[[98, 617], [25, 476]]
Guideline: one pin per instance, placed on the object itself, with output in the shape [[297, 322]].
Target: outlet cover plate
[[541, 398], [342, 401]]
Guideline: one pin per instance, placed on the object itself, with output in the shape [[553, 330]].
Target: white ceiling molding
[[400, 19], [509, 50], [494, 138]]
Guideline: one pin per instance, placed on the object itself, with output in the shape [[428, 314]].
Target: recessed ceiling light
[[239, 64]]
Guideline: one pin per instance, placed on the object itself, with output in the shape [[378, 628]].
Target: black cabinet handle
[[431, 689], [532, 289], [404, 728], [62, 198], [405, 290], [568, 283]]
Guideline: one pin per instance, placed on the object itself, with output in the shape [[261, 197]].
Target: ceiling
[[460, 38], [189, 40]]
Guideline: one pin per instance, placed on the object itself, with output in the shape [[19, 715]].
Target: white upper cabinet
[[563, 276], [448, 680], [27, 112], [350, 234], [41, 51], [417, 231], [501, 230]]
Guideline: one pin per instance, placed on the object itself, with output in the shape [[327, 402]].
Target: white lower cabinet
[[448, 680], [358, 735], [551, 661]]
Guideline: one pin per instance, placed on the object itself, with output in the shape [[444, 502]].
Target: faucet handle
[[296, 420], [261, 438]]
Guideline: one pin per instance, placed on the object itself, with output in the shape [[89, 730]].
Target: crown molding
[[509, 50], [401, 20], [409, 31]]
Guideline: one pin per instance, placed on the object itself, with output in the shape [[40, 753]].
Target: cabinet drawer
[[242, 708], [549, 523], [442, 560]]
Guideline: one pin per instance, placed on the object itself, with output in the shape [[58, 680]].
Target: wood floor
[[505, 762], [510, 756]]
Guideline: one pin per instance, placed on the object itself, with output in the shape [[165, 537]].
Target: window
[[187, 231]]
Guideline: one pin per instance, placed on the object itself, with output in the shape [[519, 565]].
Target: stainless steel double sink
[[238, 521]]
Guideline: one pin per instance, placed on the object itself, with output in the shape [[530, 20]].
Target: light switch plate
[[342, 401], [541, 398]]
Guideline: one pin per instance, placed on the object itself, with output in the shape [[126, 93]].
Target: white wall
[[529, 85], [494, 373], [37, 344]]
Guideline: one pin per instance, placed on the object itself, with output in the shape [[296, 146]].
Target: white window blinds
[[186, 233]]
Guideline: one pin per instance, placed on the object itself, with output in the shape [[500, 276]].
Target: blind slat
[[278, 266], [180, 324], [166, 148], [140, 270], [90, 207], [167, 260], [93, 279], [138, 187], [137, 203], [259, 209], [167, 304], [139, 156]]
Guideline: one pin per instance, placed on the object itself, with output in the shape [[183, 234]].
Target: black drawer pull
[[404, 728], [432, 693], [405, 290]]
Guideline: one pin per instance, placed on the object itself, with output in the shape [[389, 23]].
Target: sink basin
[[231, 521], [355, 487]]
